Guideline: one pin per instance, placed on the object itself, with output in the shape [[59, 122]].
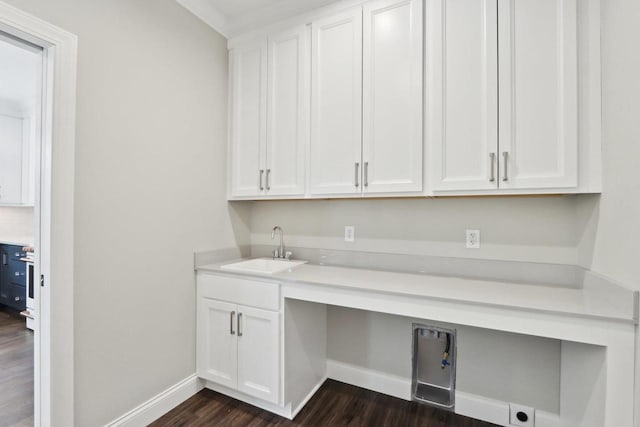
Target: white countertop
[[606, 301], [17, 241]]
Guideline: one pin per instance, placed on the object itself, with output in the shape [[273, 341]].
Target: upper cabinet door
[[462, 87], [392, 96], [11, 161], [248, 77], [336, 107], [288, 112], [538, 94]]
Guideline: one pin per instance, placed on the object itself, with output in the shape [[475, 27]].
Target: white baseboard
[[469, 405], [497, 411], [160, 404], [283, 411], [381, 382]]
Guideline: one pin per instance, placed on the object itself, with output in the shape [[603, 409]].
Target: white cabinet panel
[[336, 108], [538, 93], [287, 123], [462, 112], [392, 96], [259, 353], [216, 342], [11, 161], [248, 118]]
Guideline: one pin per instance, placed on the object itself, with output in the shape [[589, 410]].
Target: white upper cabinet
[[336, 104], [288, 112], [466, 97], [503, 82], [392, 96], [538, 50], [269, 121], [248, 119], [462, 82], [12, 135]]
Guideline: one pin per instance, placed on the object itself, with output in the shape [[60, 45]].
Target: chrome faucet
[[280, 253]]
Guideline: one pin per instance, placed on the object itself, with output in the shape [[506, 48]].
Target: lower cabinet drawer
[[17, 297], [17, 272], [253, 293]]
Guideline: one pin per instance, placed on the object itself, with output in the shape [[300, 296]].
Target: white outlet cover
[[349, 233], [473, 239], [513, 415]]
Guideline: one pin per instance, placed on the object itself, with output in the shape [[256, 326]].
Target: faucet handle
[[276, 254], [288, 254]]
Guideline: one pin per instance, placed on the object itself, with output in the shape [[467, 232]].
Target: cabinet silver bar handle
[[239, 326], [260, 179], [492, 160], [268, 184], [231, 316], [366, 174], [357, 177], [505, 156]]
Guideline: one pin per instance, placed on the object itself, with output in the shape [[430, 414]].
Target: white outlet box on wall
[[473, 239], [349, 233]]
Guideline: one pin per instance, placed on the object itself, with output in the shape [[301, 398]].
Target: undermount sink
[[263, 265]]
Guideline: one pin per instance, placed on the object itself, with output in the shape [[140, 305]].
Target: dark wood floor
[[335, 404], [16, 371]]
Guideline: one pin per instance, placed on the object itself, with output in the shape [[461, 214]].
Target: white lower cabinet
[[238, 346], [258, 353]]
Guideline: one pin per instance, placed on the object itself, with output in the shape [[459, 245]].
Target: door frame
[[54, 204]]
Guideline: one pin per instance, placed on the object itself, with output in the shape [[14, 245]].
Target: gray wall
[[609, 242], [541, 229], [149, 191]]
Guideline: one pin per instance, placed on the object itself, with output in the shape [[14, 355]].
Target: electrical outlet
[[349, 233], [473, 239], [521, 416]]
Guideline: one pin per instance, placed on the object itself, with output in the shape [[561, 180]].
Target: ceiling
[[232, 17], [19, 76]]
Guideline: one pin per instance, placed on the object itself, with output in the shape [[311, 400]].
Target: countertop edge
[[215, 269]]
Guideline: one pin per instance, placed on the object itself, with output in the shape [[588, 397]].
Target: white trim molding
[[53, 343], [159, 404], [208, 13]]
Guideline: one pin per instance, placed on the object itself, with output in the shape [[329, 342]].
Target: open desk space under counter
[[262, 338]]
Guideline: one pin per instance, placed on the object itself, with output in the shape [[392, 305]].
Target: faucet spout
[[280, 252]]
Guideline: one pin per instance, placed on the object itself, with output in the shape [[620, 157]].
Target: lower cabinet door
[[259, 353], [217, 349]]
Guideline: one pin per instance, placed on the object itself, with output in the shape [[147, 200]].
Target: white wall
[[149, 191]]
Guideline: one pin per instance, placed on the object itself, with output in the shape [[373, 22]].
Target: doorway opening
[[21, 92], [39, 170]]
